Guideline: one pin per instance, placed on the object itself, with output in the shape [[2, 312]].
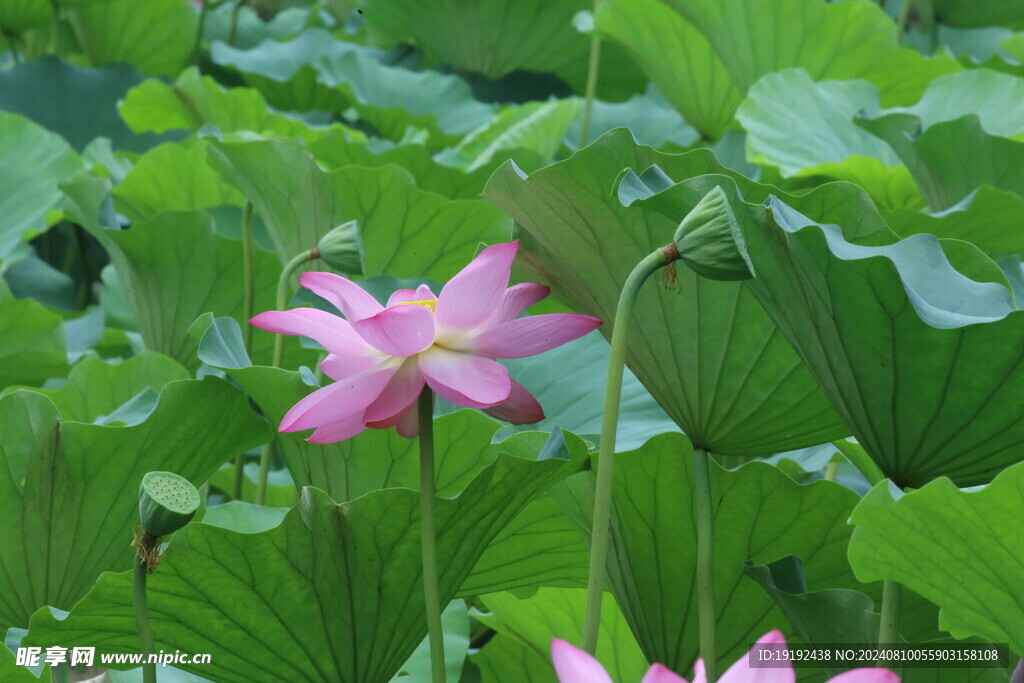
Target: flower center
[[429, 304]]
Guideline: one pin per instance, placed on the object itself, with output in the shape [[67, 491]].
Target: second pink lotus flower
[[381, 357], [576, 666]]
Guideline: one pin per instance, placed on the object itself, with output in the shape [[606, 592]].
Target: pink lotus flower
[[576, 666], [381, 357]]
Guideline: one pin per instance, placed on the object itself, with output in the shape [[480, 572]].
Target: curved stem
[[606, 455], [142, 619], [282, 301], [888, 629], [592, 70], [705, 561], [248, 311], [431, 595]]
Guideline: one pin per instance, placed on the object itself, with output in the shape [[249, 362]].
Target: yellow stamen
[[429, 304]]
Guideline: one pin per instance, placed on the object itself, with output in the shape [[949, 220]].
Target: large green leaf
[[194, 101], [71, 502], [455, 631], [376, 458], [95, 388], [535, 126], [506, 657], [652, 554], [897, 321], [571, 392], [829, 143], [287, 73], [52, 92], [705, 54], [955, 139], [174, 268], [499, 37], [677, 59], [979, 12], [172, 177], [988, 218], [558, 613], [952, 159], [32, 347], [991, 96], [337, 149], [315, 71], [843, 615], [540, 547], [333, 593], [35, 161], [20, 15], [248, 26], [837, 41], [708, 353], [406, 231], [156, 37], [649, 115], [962, 550], [835, 615]]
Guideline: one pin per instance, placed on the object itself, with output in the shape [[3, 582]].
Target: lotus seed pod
[[710, 242], [342, 248], [166, 502]]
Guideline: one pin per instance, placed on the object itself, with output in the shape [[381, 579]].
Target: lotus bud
[[167, 502], [342, 249], [710, 242]]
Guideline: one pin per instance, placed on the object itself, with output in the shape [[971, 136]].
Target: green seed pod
[[710, 242], [342, 248], [166, 502]]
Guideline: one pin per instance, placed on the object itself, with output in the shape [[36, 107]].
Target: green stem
[[606, 455], [888, 629], [318, 373], [592, 70], [861, 460], [249, 286], [12, 42], [282, 301], [261, 485], [55, 27], [705, 561], [248, 310], [831, 470], [903, 17], [234, 21], [431, 595], [142, 619], [283, 283], [197, 49]]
